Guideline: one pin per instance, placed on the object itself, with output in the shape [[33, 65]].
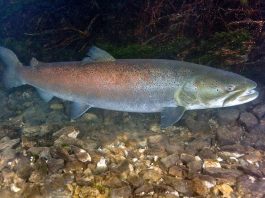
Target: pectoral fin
[[46, 96], [171, 115], [78, 109]]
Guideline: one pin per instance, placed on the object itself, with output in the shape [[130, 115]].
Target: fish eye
[[230, 88]]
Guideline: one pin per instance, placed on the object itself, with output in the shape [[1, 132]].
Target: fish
[[170, 87]]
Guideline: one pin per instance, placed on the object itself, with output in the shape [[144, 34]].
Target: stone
[[259, 110], [228, 115], [203, 184], [248, 186], [248, 119], [152, 175], [255, 139], [122, 192], [102, 165], [176, 171], [209, 163], [170, 160], [144, 189], [54, 165], [229, 135], [197, 125], [195, 166], [223, 173], [81, 154], [69, 131], [180, 185], [7, 143], [186, 158], [225, 190]]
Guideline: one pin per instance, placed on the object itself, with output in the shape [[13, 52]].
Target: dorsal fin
[[97, 55], [34, 62]]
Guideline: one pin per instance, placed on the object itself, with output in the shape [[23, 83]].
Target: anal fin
[[171, 115], [78, 109]]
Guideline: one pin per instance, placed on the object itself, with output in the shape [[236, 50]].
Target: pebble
[[152, 175], [89, 117], [176, 171], [7, 143], [203, 184], [225, 190]]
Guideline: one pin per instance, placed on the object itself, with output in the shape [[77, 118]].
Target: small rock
[[176, 171], [211, 164], [144, 190], [248, 119], [224, 189], [259, 110], [69, 131], [6, 143], [229, 135], [55, 165], [102, 165], [223, 173], [249, 186], [186, 158], [170, 160], [81, 154], [197, 125], [123, 192], [195, 166], [152, 175], [202, 185]]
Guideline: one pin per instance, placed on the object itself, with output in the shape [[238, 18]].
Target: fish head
[[218, 88]]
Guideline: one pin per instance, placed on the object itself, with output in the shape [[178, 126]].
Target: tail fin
[[11, 64]]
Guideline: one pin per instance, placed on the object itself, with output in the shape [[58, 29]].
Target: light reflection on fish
[[132, 85]]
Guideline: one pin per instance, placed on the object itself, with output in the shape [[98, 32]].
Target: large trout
[[133, 85]]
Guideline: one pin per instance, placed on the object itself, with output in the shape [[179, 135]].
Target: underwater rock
[[203, 184], [7, 143], [248, 186], [54, 165], [69, 131], [81, 154], [124, 192], [224, 189], [35, 115], [229, 135], [6, 156], [222, 172], [197, 125], [195, 166], [259, 110], [152, 175], [176, 171], [101, 165], [248, 119], [227, 115], [182, 186], [170, 160], [255, 139]]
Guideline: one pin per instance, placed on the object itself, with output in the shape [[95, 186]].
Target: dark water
[[209, 153]]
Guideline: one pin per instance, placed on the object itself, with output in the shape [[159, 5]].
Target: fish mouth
[[241, 97]]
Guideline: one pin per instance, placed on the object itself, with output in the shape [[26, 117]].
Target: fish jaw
[[242, 97]]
